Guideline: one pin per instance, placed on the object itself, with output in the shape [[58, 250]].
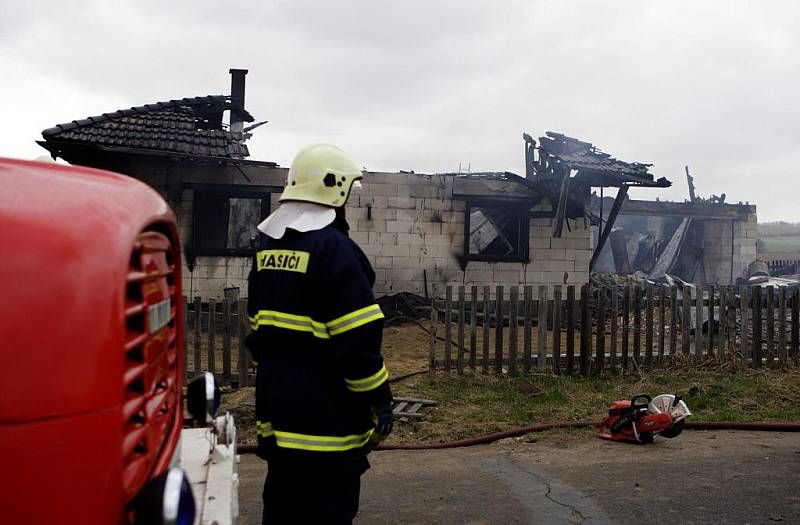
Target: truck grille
[[150, 379]]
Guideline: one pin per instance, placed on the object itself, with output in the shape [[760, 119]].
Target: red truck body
[[91, 333]]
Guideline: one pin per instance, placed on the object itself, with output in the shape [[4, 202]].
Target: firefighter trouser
[[295, 494]]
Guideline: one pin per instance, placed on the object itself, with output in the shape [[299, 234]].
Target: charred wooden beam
[[561, 210], [612, 218]]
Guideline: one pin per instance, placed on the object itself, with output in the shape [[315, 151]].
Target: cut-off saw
[[642, 418]]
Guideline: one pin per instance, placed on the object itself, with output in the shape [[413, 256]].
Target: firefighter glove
[[385, 420]]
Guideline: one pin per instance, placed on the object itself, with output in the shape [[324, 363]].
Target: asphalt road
[[699, 477]]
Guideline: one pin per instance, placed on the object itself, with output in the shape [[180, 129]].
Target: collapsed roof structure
[[568, 162]]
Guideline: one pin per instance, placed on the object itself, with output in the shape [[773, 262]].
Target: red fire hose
[[768, 426]]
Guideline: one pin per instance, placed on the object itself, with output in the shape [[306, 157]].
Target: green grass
[[474, 405], [789, 243]]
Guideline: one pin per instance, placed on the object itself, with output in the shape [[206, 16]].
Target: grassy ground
[[789, 243], [472, 405], [475, 404]]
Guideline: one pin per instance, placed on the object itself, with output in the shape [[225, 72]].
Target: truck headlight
[[165, 500]]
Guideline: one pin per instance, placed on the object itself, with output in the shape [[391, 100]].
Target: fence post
[[648, 337], [722, 345], [686, 320], [673, 321], [698, 321], [744, 303], [498, 330], [570, 329], [512, 331], [626, 326], [612, 360], [460, 363], [487, 327], [556, 329], [710, 338], [198, 367], [586, 331], [600, 349], [770, 353], [448, 307], [244, 353], [796, 322], [185, 350], [637, 325], [662, 315], [757, 358], [473, 327], [212, 335], [782, 325], [526, 358], [542, 318], [434, 322], [226, 341]]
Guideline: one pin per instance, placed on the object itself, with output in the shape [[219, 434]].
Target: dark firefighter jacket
[[316, 340]]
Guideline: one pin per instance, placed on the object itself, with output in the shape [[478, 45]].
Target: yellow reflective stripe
[[264, 429], [321, 443], [300, 323], [355, 319], [368, 383]]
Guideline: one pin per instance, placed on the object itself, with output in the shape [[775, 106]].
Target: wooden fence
[[214, 340], [611, 328]]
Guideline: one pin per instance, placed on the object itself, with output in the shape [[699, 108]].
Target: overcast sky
[[427, 85]]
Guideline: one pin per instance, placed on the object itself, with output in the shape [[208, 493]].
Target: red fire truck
[[91, 409]]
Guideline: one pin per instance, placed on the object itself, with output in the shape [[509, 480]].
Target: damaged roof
[[591, 162], [188, 125]]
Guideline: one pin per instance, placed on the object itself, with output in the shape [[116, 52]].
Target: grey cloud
[[426, 85]]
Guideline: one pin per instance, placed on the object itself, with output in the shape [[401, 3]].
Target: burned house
[[701, 240], [419, 230]]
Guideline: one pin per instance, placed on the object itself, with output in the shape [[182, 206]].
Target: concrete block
[[505, 274], [540, 243], [437, 204], [386, 190], [539, 265], [427, 227], [379, 238], [372, 177], [359, 237], [402, 202], [456, 240], [371, 249], [410, 239], [530, 277], [394, 251], [399, 226], [374, 225], [553, 277], [566, 266], [423, 191], [434, 239]]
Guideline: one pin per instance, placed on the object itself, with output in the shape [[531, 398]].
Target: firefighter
[[322, 392]]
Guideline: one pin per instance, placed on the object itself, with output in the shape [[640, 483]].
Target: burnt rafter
[[559, 155], [568, 162]]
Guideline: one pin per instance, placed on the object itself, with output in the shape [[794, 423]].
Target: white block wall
[[409, 225], [718, 244]]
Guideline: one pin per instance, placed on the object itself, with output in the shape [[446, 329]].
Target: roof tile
[[163, 126]]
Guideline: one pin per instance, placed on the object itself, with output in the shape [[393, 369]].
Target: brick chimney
[[237, 98]]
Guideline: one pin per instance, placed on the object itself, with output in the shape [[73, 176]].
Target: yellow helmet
[[323, 174]]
